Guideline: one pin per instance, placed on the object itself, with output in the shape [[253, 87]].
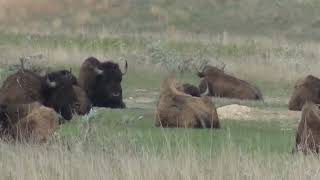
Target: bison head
[[108, 90], [190, 89], [195, 91], [102, 82], [82, 105], [210, 71], [59, 94], [65, 74], [307, 89]]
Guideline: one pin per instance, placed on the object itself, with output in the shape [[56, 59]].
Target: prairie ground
[[268, 43]]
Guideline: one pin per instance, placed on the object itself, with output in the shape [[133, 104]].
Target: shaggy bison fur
[[178, 109], [29, 122], [54, 90], [308, 134], [224, 85], [307, 89]]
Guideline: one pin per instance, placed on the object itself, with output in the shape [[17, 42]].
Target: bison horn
[[98, 71], [50, 83], [125, 68], [206, 92]]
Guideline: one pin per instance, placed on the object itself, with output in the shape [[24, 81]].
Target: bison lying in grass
[[102, 82], [28, 122], [223, 85], [57, 90], [178, 109], [82, 103], [308, 134], [307, 89]]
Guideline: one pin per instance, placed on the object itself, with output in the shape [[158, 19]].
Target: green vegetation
[[269, 43], [136, 127]]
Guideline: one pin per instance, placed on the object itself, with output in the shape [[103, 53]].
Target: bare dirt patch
[[142, 98], [240, 112]]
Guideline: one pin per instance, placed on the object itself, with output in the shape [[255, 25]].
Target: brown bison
[[307, 89], [223, 85], [82, 105], [54, 90], [178, 109], [308, 134], [102, 82], [28, 122]]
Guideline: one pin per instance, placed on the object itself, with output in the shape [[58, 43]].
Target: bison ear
[[51, 84]]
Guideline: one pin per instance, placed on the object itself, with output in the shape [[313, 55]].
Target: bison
[[102, 82], [30, 122], [307, 89], [308, 134], [82, 105], [178, 109], [224, 85], [54, 90]]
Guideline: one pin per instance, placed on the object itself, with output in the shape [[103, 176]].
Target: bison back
[[22, 87]]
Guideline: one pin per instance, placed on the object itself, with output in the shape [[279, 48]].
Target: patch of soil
[[239, 112]]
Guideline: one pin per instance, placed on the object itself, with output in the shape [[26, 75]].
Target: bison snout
[[115, 94]]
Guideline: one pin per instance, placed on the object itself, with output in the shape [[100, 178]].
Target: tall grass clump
[[116, 161]]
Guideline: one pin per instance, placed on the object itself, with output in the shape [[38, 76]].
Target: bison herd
[[188, 106], [32, 105]]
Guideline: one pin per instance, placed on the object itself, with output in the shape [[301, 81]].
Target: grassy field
[[269, 43]]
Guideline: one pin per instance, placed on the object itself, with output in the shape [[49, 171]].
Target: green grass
[[67, 42], [136, 127], [271, 44]]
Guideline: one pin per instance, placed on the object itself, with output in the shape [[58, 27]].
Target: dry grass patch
[[57, 162]]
